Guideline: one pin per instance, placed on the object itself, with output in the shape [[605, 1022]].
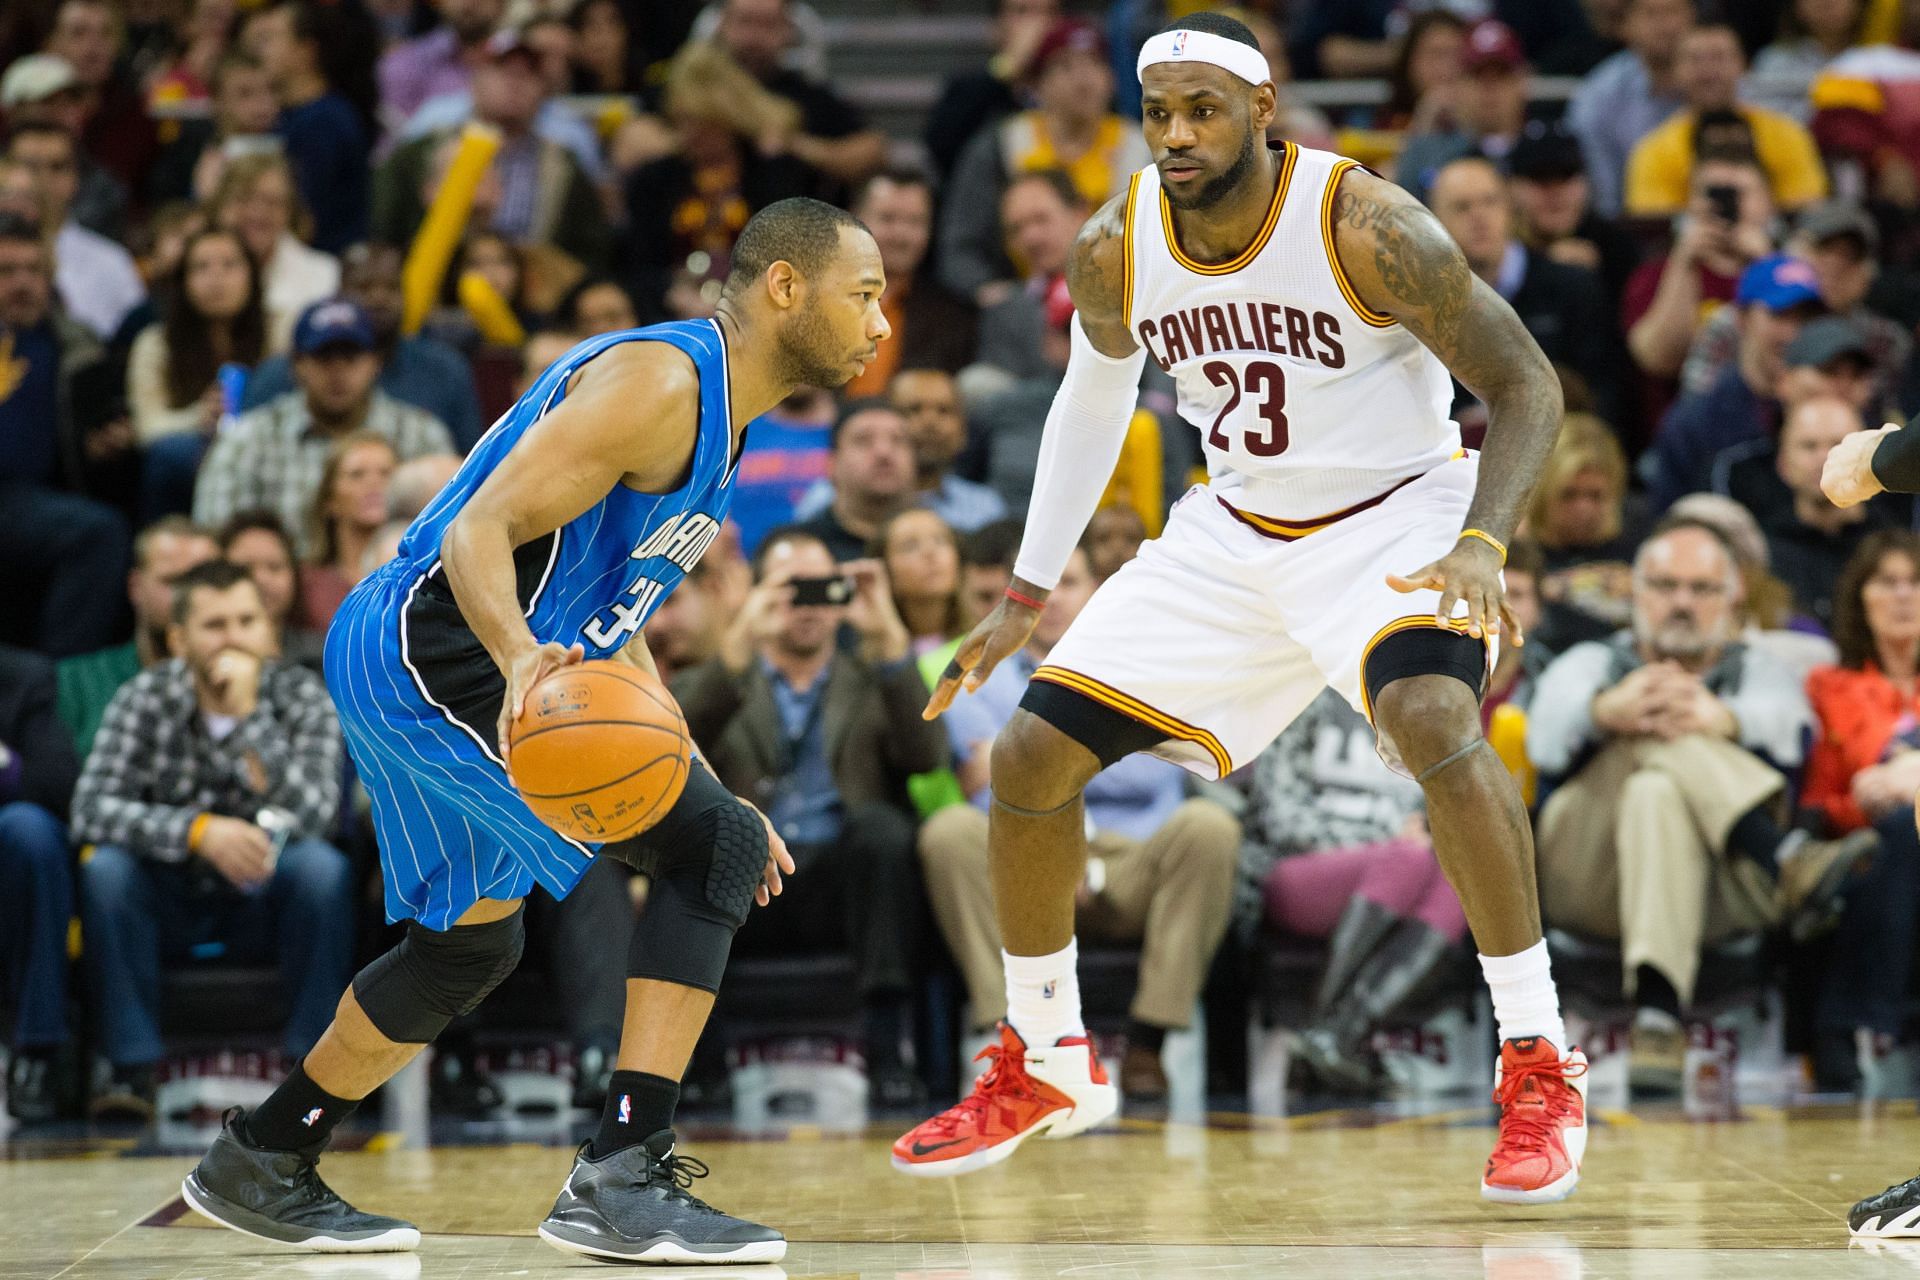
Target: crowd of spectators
[[268, 268]]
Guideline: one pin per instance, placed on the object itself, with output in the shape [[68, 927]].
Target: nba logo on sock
[[312, 1117], [626, 1108], [1046, 992]]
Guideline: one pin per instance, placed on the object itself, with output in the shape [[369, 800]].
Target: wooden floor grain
[[1342, 1194]]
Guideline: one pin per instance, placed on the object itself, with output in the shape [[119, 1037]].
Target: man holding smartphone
[[823, 738], [1726, 226], [208, 794]]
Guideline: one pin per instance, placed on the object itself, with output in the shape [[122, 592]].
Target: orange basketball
[[600, 752]]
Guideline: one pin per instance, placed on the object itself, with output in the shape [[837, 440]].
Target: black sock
[[1653, 991], [1758, 836], [1146, 1035], [297, 1114], [638, 1106]]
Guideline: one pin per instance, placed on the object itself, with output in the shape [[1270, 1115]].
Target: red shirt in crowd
[[1656, 394], [1860, 714]]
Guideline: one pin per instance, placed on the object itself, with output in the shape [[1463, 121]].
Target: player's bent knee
[[412, 992], [1424, 686], [1038, 765], [707, 858]]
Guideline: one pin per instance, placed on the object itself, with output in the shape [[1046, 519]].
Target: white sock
[[1043, 995], [1525, 1002]]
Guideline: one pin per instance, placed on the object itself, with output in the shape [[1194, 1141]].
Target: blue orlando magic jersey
[[418, 696], [597, 578]]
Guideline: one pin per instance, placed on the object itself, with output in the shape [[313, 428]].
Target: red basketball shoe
[[1543, 1123], [1060, 1090]]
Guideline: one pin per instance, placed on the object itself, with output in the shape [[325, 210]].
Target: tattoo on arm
[[1402, 263], [1097, 279]]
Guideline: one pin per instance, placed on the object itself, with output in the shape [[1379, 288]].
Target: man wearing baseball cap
[[43, 89], [274, 456], [1492, 109], [1071, 127], [1553, 196], [1775, 297]]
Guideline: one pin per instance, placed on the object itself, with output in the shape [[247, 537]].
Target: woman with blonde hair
[[258, 202], [348, 510], [1580, 521]]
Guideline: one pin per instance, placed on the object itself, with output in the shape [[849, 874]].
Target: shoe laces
[[1525, 1121], [676, 1174], [1005, 1077]]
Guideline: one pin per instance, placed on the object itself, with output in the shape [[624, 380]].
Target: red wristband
[[1020, 597]]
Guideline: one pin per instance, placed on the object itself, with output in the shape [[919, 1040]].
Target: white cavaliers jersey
[[1307, 402]]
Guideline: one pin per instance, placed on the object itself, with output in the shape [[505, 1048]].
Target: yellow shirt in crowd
[[1661, 163]]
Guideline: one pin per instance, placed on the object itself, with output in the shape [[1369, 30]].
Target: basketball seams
[[636, 771], [657, 715]]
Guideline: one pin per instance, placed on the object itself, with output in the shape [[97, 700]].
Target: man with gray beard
[[1661, 753]]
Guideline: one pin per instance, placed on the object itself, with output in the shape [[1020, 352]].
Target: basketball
[[600, 752]]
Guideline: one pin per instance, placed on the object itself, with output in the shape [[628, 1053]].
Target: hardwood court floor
[[1343, 1194]]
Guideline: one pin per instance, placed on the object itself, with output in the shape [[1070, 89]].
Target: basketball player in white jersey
[[1309, 312]]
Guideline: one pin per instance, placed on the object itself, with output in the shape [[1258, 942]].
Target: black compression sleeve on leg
[[1111, 735], [1426, 651], [1896, 459], [412, 992], [707, 857]]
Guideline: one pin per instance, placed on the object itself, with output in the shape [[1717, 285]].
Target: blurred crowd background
[[267, 270]]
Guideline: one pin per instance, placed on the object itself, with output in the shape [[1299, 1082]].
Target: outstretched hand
[[992, 639], [1470, 573]]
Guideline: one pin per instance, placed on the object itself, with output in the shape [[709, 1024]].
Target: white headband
[[1242, 60]]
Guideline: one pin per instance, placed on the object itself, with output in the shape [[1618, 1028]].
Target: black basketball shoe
[[278, 1196], [634, 1206], [1893, 1214]]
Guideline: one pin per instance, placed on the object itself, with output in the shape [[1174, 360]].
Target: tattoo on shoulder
[[1415, 260], [1404, 264], [1096, 269]]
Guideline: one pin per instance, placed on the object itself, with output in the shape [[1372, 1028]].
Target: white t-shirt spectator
[[96, 278]]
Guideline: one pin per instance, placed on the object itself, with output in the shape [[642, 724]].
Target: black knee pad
[[706, 857], [1111, 735], [412, 992], [1426, 651]]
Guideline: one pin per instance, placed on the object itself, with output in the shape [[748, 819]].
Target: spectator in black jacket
[[823, 740], [37, 773], [1564, 307], [58, 550]]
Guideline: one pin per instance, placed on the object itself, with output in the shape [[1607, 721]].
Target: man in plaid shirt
[[207, 796], [274, 457]]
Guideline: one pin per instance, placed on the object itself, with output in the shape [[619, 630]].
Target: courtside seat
[[1286, 970], [1735, 972]]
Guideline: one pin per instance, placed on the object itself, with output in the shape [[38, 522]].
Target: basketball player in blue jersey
[[569, 523]]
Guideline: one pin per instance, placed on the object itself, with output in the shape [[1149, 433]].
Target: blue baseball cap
[[1780, 282], [333, 323]]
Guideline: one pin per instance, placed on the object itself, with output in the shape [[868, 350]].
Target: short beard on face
[[1681, 640], [807, 351], [1214, 190]]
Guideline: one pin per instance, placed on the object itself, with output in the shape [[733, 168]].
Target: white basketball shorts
[[1228, 624]]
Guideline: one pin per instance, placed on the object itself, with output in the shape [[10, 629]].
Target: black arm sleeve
[[1896, 460]]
